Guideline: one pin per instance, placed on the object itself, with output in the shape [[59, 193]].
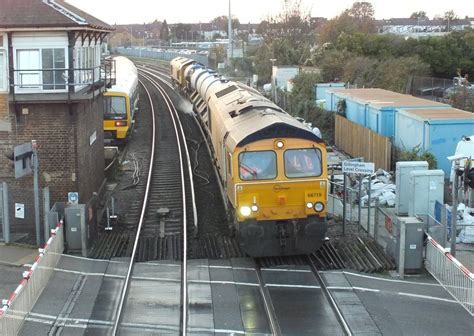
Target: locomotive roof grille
[[225, 91], [279, 130]]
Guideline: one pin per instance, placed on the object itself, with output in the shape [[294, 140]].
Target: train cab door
[[224, 166]]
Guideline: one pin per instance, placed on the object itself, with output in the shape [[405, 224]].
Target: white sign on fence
[[19, 210], [354, 167]]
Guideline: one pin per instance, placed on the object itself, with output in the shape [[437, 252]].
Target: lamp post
[[273, 60], [131, 37], [455, 159], [230, 50]]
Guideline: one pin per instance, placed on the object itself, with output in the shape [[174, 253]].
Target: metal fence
[[161, 55], [17, 307], [442, 90], [451, 274]]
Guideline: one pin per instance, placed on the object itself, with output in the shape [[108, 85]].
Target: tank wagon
[[121, 101], [272, 168]]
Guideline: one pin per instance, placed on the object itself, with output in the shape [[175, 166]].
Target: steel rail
[[330, 298], [190, 168], [267, 302], [176, 123], [140, 223]]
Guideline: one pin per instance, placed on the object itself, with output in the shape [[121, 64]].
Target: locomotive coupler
[[282, 234]]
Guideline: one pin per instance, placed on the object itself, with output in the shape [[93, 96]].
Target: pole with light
[[273, 60], [454, 209], [230, 51]]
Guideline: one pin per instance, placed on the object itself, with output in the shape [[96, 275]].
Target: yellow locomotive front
[[280, 196]]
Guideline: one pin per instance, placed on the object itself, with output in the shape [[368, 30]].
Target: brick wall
[[67, 159]]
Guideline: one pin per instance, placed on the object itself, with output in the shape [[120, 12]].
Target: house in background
[[52, 77]]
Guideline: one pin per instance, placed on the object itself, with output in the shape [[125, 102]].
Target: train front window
[[257, 165], [305, 162], [114, 108]]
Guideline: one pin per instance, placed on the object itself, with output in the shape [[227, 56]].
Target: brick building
[[52, 77]]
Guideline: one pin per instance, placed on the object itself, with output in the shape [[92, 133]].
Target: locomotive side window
[[303, 162], [257, 165], [115, 108]]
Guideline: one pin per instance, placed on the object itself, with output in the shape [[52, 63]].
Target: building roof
[[422, 22], [46, 13], [380, 98], [440, 114]]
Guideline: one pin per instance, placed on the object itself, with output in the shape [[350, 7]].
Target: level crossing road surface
[[417, 305], [82, 293]]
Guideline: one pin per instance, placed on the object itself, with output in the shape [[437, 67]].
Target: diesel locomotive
[[273, 169]]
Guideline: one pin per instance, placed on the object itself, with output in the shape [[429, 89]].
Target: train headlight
[[279, 144], [254, 208], [318, 206], [309, 205], [120, 123], [245, 211]]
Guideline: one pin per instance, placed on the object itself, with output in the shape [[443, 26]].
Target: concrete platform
[[15, 255], [14, 260], [465, 255]]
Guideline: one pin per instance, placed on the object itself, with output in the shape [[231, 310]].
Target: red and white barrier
[[19, 304], [457, 279]]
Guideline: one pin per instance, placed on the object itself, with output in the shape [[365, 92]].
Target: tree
[[287, 37], [331, 31], [164, 32], [222, 22], [419, 15], [292, 25], [362, 10], [449, 17], [363, 13], [359, 18], [217, 53], [181, 31], [392, 73]]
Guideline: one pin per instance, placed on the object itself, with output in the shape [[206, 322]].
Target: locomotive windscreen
[[114, 108]]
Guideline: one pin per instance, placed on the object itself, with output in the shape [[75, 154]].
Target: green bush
[[416, 154]]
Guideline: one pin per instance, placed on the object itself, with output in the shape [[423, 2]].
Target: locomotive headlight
[[245, 211], [318, 206], [279, 144], [309, 205], [254, 208]]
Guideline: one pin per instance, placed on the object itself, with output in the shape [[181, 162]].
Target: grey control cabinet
[[425, 188], [75, 224], [402, 180], [409, 254]]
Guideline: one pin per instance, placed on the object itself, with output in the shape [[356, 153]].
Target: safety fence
[[451, 274], [161, 55], [16, 308]]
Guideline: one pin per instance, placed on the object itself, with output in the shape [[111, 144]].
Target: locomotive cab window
[[115, 108], [259, 165], [304, 162]]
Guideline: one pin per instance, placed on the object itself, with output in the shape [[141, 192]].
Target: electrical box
[[410, 252], [402, 180], [425, 188], [75, 228]]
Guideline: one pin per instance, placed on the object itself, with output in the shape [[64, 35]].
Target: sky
[[194, 11]]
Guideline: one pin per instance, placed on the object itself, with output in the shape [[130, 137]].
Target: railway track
[[169, 194], [160, 241], [298, 278]]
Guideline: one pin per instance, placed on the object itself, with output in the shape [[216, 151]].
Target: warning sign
[[19, 210]]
